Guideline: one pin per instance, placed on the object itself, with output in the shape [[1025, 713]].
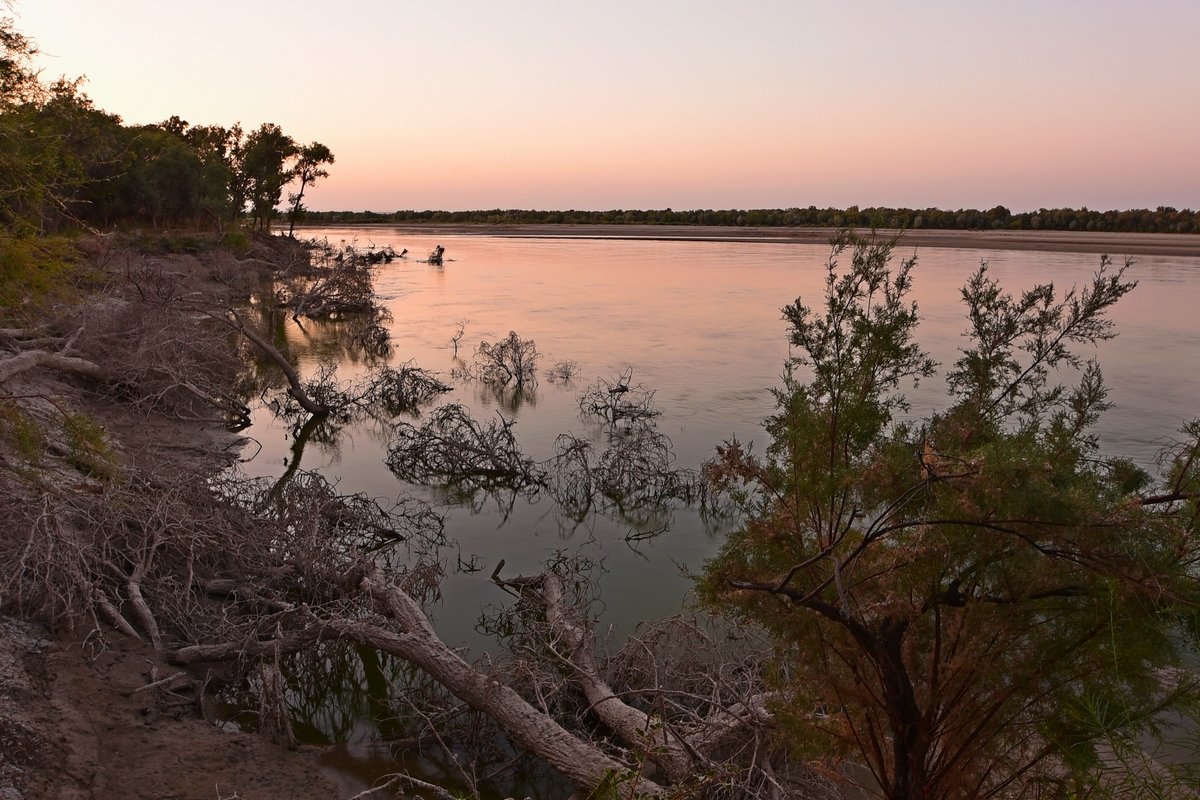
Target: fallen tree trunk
[[531, 729], [670, 752], [295, 385], [32, 359], [583, 763]]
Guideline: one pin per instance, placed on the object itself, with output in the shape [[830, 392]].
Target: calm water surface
[[700, 323]]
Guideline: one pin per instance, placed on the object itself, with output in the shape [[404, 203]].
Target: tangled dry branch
[[619, 399], [511, 360], [335, 281], [452, 447]]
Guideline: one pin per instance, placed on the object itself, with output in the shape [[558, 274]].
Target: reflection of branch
[[298, 444]]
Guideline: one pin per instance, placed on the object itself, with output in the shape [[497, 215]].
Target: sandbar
[[1117, 245]]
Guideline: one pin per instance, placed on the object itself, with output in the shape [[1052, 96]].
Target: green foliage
[[946, 592], [65, 163], [34, 272], [237, 240], [263, 163], [309, 168], [87, 447], [22, 432]]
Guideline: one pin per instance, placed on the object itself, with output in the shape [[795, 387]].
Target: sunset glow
[[463, 105]]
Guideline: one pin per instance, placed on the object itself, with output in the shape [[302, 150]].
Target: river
[[700, 324]]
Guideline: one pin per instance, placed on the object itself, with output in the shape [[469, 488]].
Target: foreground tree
[[974, 604]]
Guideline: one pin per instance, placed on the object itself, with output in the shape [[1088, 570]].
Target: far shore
[[1113, 244]]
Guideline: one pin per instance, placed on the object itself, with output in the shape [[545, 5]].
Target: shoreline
[[1116, 244]]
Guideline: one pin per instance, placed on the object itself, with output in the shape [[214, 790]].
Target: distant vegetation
[[1163, 219], [66, 164]]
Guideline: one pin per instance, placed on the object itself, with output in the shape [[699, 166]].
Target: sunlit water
[[700, 323]]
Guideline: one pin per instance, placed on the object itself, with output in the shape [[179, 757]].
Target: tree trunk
[[296, 387], [31, 359]]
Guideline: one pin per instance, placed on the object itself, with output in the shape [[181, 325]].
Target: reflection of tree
[[338, 692], [512, 398], [632, 473], [476, 500]]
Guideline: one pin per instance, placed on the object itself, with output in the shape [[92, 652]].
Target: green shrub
[[35, 272], [22, 432], [88, 448], [236, 240]]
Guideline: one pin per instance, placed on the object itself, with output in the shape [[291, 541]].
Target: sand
[[1117, 245]]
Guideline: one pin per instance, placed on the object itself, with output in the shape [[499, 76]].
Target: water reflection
[[507, 398], [700, 323]]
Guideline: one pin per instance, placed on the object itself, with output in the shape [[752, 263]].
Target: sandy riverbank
[[1114, 244], [89, 713]]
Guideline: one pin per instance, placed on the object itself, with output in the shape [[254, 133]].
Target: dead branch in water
[[336, 281], [562, 371], [459, 330], [453, 448], [402, 390], [619, 399]]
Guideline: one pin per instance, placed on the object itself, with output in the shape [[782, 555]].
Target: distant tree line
[[64, 162], [1163, 219]]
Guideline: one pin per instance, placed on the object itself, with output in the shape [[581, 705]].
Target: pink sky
[[654, 104]]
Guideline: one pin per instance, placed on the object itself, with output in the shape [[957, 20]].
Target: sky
[[457, 104]]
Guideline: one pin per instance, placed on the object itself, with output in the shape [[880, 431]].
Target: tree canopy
[[64, 162], [975, 604]]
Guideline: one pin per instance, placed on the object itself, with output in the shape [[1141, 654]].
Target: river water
[[700, 323]]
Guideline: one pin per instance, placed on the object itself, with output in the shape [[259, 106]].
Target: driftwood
[[295, 384], [34, 359], [414, 640]]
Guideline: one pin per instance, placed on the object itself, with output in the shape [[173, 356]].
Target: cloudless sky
[[458, 104]]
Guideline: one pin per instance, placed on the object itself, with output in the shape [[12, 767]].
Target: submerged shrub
[[510, 360]]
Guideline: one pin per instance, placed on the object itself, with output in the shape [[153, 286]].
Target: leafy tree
[[222, 190], [168, 176], [218, 148], [309, 168], [19, 82], [23, 157], [263, 159], [975, 604]]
